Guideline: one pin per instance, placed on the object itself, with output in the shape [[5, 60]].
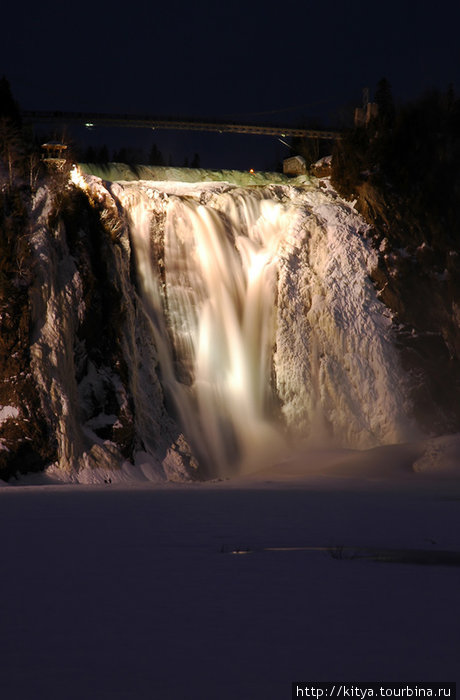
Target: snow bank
[[7, 412]]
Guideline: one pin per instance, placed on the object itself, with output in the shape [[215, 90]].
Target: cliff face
[[90, 297], [402, 170], [418, 278], [78, 389], [26, 441]]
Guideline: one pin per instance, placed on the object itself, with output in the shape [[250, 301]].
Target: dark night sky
[[242, 60]]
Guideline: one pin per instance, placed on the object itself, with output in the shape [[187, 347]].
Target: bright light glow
[[77, 178], [241, 551], [220, 285], [89, 125]]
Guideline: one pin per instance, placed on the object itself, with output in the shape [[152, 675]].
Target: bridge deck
[[147, 122]]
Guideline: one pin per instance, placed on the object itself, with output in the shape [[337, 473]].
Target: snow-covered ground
[[134, 592], [321, 565]]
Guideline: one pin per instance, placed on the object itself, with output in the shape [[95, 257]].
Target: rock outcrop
[[77, 388], [418, 278]]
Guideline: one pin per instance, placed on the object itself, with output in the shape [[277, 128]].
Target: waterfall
[[212, 313], [267, 325]]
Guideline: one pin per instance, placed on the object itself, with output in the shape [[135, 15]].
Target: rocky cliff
[[81, 385], [78, 389]]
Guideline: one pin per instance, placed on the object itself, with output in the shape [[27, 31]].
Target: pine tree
[[11, 150], [9, 108], [155, 157], [90, 155], [103, 155]]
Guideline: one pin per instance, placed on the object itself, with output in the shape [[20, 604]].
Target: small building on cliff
[[295, 165]]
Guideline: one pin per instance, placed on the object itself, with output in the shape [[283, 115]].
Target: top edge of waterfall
[[121, 172]]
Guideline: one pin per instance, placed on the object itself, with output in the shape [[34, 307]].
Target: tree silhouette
[[155, 156], [9, 108], [103, 155], [11, 139], [11, 149], [90, 155]]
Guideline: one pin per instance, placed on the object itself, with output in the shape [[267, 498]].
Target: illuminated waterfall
[[213, 318], [267, 326]]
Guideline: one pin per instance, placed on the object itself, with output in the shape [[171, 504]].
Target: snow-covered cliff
[[191, 329]]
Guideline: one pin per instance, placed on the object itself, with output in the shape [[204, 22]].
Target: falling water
[[266, 323], [213, 318]]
